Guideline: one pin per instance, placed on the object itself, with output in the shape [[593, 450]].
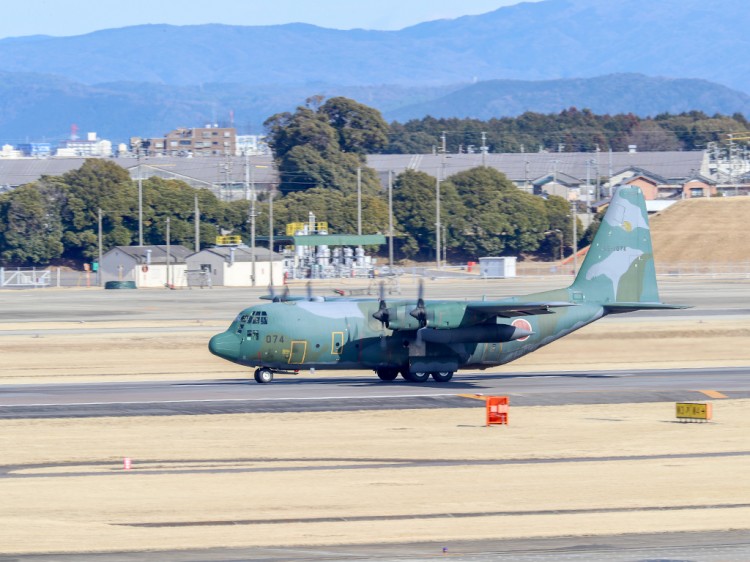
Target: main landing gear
[[263, 375], [390, 373], [387, 373]]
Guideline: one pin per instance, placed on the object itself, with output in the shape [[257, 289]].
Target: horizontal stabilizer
[[508, 310], [617, 307]]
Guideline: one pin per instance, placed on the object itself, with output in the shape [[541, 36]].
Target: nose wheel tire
[[443, 376], [386, 374], [415, 377], [263, 375]]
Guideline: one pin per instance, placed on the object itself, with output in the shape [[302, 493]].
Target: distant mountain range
[[544, 56]]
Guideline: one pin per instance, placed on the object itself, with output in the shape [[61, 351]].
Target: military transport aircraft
[[433, 338]]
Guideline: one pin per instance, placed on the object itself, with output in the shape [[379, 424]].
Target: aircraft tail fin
[[619, 266]]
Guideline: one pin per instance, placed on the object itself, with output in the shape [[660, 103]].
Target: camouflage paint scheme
[[617, 275]]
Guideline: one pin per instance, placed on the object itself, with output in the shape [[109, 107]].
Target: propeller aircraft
[[434, 338]]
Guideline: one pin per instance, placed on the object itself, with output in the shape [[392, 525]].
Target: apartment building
[[210, 140]]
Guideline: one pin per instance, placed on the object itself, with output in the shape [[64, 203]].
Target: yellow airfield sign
[[693, 411]]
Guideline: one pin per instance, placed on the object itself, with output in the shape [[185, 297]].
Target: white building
[[146, 265], [7, 151], [91, 147], [232, 266]]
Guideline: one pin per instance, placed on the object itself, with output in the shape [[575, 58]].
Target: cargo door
[[298, 352]]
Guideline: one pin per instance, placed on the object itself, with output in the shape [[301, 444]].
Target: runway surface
[[357, 391]]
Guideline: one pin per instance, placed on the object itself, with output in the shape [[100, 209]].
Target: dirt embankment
[[703, 231]]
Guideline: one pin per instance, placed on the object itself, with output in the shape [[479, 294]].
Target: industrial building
[[234, 266], [147, 266]]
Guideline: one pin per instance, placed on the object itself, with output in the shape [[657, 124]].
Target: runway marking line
[[473, 396], [713, 394], [205, 400]]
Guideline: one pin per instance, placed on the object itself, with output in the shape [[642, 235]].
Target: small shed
[[232, 266], [148, 266], [497, 267]]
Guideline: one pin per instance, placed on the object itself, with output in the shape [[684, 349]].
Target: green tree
[[98, 184], [361, 129], [324, 147], [30, 226], [485, 226], [414, 210], [303, 127]]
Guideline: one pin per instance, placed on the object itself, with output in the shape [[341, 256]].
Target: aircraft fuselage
[[297, 335]]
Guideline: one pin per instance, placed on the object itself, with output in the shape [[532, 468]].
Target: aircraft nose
[[225, 345]]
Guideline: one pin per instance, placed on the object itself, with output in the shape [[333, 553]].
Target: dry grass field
[[247, 473]]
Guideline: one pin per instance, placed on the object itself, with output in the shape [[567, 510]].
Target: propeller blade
[[382, 314], [309, 290], [420, 312]]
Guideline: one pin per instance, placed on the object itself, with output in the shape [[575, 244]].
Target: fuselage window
[[253, 335]]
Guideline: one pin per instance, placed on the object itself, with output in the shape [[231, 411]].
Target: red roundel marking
[[524, 325]]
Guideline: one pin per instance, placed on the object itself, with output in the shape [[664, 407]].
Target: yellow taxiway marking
[[473, 396], [713, 393]]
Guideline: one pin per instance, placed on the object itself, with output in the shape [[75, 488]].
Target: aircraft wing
[[511, 309]]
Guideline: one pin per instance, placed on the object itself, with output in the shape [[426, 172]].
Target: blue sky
[[75, 17]]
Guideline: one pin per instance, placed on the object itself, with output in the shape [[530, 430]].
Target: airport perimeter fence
[[739, 270], [40, 278]]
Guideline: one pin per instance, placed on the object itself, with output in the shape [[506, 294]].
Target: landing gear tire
[[442, 376], [386, 374], [263, 375], [415, 377]]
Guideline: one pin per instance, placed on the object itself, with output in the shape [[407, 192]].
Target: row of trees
[[56, 218], [569, 131]]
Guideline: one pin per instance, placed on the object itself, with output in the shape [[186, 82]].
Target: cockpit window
[[258, 317], [253, 335]]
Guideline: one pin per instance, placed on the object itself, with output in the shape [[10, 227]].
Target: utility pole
[[197, 226], [575, 239], [140, 198], [252, 224], [359, 201], [99, 269], [390, 220], [437, 221], [270, 235], [588, 192], [168, 254]]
